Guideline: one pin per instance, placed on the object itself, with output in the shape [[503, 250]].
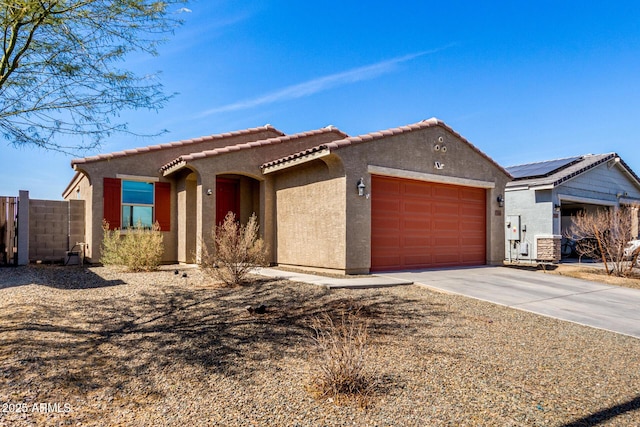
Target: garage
[[418, 224]]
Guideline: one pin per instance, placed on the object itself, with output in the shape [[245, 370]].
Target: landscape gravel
[[99, 346]]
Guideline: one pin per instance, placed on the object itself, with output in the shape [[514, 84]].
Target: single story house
[[414, 196], [543, 197]]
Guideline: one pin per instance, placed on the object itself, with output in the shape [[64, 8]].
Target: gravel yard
[[100, 347]]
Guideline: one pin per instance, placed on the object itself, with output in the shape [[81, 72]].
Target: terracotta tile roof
[[182, 143], [378, 135], [580, 165], [244, 146], [295, 156]]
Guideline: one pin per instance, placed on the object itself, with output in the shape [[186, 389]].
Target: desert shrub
[[603, 235], [341, 371], [110, 249], [237, 250], [138, 249]]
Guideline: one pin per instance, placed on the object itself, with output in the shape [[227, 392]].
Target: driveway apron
[[593, 304]]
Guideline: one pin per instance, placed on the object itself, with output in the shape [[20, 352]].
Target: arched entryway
[[239, 194]]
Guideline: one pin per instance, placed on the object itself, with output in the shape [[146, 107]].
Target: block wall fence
[[47, 230]]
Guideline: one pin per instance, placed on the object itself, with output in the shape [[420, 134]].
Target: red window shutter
[[112, 202], [163, 205]]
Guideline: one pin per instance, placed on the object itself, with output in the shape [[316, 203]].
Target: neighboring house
[[543, 197], [414, 196]]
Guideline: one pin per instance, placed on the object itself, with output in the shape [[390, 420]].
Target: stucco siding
[[310, 212], [82, 190], [95, 203], [143, 164], [310, 217], [417, 152], [535, 209], [246, 164]]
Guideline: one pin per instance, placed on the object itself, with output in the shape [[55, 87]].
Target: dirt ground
[[95, 346], [594, 274]]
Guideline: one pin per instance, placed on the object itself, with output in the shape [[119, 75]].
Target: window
[[137, 204], [127, 201]]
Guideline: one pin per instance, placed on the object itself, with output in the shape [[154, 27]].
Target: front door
[[227, 198]]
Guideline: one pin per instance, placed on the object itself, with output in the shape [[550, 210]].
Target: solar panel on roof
[[535, 170]]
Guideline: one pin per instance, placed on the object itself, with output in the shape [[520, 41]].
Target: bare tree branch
[[604, 235]]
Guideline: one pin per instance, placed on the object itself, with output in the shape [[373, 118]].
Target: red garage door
[[416, 224]]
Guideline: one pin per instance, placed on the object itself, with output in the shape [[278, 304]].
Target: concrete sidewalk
[[598, 305], [373, 281]]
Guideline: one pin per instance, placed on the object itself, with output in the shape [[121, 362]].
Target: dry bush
[[603, 235], [138, 248], [110, 248], [237, 250], [341, 371]]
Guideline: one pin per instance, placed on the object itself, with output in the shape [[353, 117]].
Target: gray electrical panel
[[513, 227]]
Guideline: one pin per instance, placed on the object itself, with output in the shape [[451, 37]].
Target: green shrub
[[237, 250], [138, 248], [341, 371]]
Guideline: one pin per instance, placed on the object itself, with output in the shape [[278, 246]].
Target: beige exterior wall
[[310, 214], [323, 222], [80, 189], [311, 229], [145, 164], [187, 185], [259, 189], [95, 203], [413, 155]]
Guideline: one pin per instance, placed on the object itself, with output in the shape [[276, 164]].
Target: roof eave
[[170, 169], [76, 178], [630, 173], [285, 164]]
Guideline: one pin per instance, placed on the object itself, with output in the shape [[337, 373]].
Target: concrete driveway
[[601, 306]]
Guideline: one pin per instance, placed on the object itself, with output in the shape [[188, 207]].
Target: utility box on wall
[[513, 227]]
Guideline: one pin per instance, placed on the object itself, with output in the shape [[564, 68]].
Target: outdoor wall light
[[500, 200], [556, 208], [361, 187], [209, 192]]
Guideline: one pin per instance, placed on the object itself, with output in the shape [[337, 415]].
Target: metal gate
[[8, 227]]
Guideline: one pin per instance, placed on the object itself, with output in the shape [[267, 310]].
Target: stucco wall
[[145, 164], [245, 164], [311, 218], [535, 209], [81, 190], [412, 155], [186, 187]]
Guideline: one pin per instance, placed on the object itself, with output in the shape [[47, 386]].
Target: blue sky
[[523, 81]]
